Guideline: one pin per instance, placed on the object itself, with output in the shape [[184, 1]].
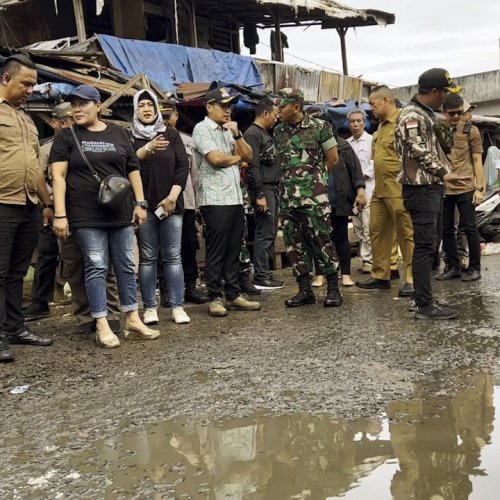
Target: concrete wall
[[482, 89]]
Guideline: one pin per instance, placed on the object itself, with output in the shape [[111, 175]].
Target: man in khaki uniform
[[388, 217], [21, 185]]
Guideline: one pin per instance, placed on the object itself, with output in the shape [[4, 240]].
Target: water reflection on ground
[[428, 447]]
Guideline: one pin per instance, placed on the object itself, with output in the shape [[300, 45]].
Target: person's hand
[[60, 226], [233, 127], [360, 200], [261, 205], [139, 216], [47, 216], [457, 179], [168, 205], [157, 144], [477, 197]]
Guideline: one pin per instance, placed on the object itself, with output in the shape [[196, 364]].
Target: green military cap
[[62, 110], [289, 95], [166, 107]]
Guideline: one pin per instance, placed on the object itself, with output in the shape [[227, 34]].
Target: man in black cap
[[421, 147], [22, 186], [219, 148]]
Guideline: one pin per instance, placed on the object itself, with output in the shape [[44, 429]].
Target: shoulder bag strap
[[85, 159]]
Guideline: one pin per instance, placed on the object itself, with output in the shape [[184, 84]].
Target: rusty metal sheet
[[293, 76], [266, 70], [329, 85]]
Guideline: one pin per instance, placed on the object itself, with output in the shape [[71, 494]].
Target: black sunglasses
[[455, 113]]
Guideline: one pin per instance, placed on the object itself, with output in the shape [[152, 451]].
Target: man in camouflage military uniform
[[306, 151], [420, 145]]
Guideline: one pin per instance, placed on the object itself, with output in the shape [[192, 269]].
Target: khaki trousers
[[389, 220]]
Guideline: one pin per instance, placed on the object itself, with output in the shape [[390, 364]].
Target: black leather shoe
[[5, 350], [471, 275], [194, 295], [115, 326], [36, 311], [246, 286], [435, 311], [25, 336], [451, 274], [406, 290], [301, 299], [86, 328], [333, 296], [374, 284], [395, 274]]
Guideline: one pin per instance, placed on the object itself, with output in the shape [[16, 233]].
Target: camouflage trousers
[[307, 236]]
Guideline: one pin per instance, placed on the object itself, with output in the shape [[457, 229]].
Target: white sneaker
[[180, 316], [150, 316]]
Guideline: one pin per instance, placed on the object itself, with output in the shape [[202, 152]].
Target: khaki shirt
[[385, 159], [19, 153], [464, 146]]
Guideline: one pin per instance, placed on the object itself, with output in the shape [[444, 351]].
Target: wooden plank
[[108, 102], [80, 20]]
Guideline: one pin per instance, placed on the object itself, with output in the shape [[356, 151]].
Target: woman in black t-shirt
[[100, 233], [164, 172]]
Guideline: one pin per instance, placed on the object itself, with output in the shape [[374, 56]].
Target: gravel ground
[[348, 362]]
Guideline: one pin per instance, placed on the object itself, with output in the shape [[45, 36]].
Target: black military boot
[[5, 350], [246, 286], [333, 297], [305, 295], [193, 294]]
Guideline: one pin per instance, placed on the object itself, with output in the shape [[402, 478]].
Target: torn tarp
[[168, 64]]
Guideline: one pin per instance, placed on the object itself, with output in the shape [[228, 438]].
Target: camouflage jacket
[[300, 153], [422, 157]]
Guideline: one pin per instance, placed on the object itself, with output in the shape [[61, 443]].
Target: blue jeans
[[164, 237], [97, 245]]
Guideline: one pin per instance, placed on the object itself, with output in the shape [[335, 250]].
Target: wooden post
[[279, 46], [193, 23], [80, 20], [342, 32], [111, 100]]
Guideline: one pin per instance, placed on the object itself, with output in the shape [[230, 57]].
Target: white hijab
[[139, 129]]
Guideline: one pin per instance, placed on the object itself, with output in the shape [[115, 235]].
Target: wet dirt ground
[[309, 403]]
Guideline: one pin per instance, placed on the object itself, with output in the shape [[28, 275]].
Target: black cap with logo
[[437, 78], [219, 96]]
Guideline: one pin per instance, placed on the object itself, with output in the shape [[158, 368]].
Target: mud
[[80, 425]]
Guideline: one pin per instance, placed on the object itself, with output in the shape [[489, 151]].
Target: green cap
[[289, 95]]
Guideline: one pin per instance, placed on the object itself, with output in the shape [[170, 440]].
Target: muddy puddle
[[431, 446]]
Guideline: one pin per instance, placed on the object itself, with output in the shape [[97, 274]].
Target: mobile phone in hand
[[160, 213]]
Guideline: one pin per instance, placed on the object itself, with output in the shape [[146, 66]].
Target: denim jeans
[[98, 245], [153, 235]]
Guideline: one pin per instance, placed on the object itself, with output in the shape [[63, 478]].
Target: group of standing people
[[302, 172]]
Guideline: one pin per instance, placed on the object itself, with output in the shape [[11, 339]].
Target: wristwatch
[[480, 189], [238, 137], [47, 205], [260, 196], [142, 204]]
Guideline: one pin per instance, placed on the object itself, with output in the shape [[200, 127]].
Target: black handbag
[[113, 190]]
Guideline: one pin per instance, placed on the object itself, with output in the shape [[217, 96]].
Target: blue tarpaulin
[[166, 63]]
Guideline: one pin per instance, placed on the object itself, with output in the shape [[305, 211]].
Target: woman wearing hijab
[[100, 232], [164, 171]]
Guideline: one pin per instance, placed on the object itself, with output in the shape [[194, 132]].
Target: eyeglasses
[[454, 113]]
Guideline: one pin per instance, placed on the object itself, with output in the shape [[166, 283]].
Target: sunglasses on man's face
[[455, 113]]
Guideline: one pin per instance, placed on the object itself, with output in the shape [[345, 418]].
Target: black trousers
[[42, 291], [224, 225], [423, 203], [340, 239], [467, 224], [18, 237], [189, 247]]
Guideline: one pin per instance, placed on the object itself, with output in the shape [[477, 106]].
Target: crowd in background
[[405, 188]]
